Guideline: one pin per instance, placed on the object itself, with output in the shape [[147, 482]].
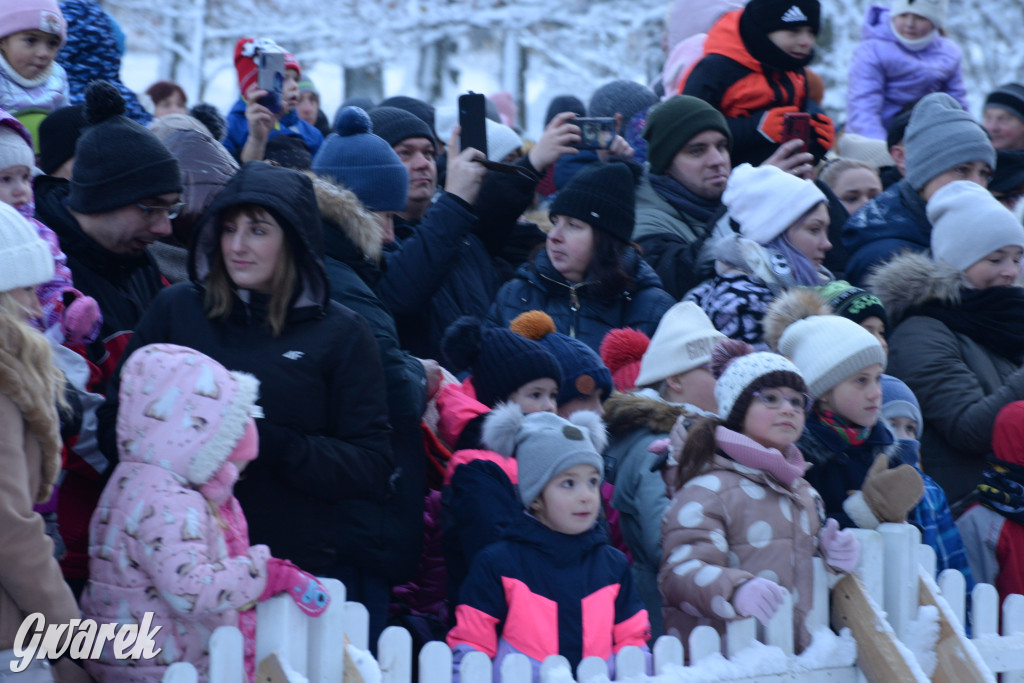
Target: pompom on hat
[[622, 350]]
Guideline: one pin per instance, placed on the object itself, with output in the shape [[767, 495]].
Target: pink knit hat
[[29, 15]]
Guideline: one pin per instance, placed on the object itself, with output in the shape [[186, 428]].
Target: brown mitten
[[891, 493]]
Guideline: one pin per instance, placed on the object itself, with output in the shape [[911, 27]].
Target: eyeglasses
[[151, 212], [773, 400]]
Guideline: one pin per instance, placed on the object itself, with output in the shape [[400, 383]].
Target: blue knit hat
[[500, 360], [899, 401], [583, 371], [364, 163]]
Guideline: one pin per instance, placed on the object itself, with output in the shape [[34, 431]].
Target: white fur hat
[[683, 341], [968, 223], [766, 201], [25, 259], [932, 10], [828, 349]]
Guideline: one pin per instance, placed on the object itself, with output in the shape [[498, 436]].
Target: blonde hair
[[35, 385], [219, 294]]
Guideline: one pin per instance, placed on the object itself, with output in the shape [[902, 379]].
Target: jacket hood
[[625, 412], [182, 411], [289, 196], [897, 213], [912, 279], [724, 39], [795, 304], [877, 25], [345, 216]]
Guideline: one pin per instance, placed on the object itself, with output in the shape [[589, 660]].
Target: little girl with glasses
[[744, 525]]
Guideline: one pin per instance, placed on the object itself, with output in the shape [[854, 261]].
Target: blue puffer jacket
[[91, 53], [289, 124], [576, 311], [892, 222]]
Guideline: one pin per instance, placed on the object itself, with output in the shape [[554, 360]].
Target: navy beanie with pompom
[[500, 360], [117, 161], [364, 163]]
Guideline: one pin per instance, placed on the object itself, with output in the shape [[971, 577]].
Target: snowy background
[[535, 49]]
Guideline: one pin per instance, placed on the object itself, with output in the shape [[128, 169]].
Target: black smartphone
[[595, 132], [797, 126], [472, 120], [270, 77]]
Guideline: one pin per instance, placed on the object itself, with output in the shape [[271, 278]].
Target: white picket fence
[[892, 562]]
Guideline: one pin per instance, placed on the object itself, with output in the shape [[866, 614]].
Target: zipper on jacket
[[574, 308]]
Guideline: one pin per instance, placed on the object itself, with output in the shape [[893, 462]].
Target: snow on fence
[[921, 618]]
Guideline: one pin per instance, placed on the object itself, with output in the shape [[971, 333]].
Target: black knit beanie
[[603, 195], [424, 111], [500, 360], [117, 161], [761, 17], [58, 135], [395, 125], [676, 121]]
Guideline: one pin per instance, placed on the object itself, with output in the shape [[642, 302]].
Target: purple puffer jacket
[[886, 76]]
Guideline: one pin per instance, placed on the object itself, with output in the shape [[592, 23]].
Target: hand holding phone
[[797, 126], [472, 115], [596, 132]]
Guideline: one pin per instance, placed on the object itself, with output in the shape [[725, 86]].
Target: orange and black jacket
[[743, 88]]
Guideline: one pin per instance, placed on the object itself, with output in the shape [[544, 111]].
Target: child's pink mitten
[[80, 317], [308, 593], [841, 548], [759, 598]]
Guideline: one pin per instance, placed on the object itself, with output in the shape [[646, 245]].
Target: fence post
[[704, 641], [900, 542], [739, 635], [227, 655], [436, 663], [476, 666], [181, 672], [954, 589], [281, 627], [984, 610], [629, 662], [1013, 624], [552, 668], [326, 657], [779, 631], [668, 651], [591, 667], [871, 568], [357, 624], [516, 668], [394, 654]]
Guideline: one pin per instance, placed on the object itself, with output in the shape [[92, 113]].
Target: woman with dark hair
[[589, 277], [259, 302]]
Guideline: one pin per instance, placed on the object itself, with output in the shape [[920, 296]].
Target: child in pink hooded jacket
[[168, 536]]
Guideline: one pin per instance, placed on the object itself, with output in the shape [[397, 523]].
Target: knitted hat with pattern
[[740, 373], [852, 302]]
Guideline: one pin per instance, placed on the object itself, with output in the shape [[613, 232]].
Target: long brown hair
[[699, 449], [219, 295]]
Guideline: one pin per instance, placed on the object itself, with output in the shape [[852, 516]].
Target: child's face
[[15, 185], [858, 398], [308, 107], [912, 26], [998, 269], [28, 301], [30, 52], [797, 43], [810, 234], [876, 327], [290, 93], [174, 104], [904, 427], [538, 396], [773, 420], [570, 502]]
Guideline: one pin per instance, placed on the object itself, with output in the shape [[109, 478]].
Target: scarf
[[850, 433], [786, 467], [993, 318], [684, 201], [803, 269], [915, 44]]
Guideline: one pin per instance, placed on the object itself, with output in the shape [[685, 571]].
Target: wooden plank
[[958, 659], [878, 655]]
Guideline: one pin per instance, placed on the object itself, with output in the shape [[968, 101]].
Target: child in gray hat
[[524, 593]]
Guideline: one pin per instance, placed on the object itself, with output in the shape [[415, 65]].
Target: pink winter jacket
[[156, 543]]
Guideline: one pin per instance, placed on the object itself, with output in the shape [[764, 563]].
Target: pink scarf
[[786, 467]]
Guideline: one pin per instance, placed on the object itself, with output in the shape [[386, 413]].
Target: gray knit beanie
[[621, 97], [941, 135], [544, 444]]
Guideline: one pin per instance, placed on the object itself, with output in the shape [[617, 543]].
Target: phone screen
[[270, 77], [472, 120]]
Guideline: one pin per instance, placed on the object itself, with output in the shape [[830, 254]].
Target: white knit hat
[[501, 140], [932, 10], [14, 150], [683, 341], [828, 349], [968, 223], [766, 201], [742, 372], [25, 259]]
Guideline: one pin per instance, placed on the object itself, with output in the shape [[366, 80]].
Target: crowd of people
[[543, 399]]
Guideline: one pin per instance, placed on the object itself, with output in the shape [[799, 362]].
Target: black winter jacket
[[576, 312]]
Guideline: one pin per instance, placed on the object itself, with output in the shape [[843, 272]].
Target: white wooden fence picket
[[893, 563]]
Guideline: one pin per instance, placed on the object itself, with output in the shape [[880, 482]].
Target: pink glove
[[308, 593], [759, 598], [841, 548], [81, 314]]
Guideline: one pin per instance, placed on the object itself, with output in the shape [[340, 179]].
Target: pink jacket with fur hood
[[156, 544]]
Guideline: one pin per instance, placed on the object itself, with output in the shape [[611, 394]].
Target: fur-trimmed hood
[[342, 212], [796, 304], [911, 279], [625, 412]]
